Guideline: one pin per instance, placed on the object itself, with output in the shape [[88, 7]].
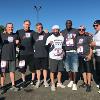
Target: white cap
[[55, 27]]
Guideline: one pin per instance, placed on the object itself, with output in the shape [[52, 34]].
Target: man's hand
[[88, 58], [17, 41], [93, 44], [51, 42]]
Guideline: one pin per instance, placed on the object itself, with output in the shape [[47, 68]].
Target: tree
[[1, 28]]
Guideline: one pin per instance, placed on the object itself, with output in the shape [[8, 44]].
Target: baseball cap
[[82, 27], [55, 27], [96, 22]]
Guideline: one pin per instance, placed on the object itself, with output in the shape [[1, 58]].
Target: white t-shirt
[[56, 51], [96, 38]]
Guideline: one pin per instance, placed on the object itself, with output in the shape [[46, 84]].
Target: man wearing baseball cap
[[96, 44], [54, 42]]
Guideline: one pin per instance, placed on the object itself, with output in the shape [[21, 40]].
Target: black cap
[[96, 22]]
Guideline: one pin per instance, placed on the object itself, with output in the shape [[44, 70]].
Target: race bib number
[[41, 37], [28, 35], [10, 39], [3, 64], [80, 49], [69, 42], [22, 63], [58, 51]]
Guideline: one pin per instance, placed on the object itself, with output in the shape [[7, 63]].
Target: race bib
[[3, 64], [22, 63], [80, 41], [57, 51], [69, 42], [10, 39], [80, 49], [41, 37], [27, 35]]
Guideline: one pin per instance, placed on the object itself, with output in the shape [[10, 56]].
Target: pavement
[[42, 93]]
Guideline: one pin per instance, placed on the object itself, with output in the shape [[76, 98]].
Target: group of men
[[70, 49]]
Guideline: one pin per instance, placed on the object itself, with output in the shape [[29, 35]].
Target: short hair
[[27, 21], [9, 23], [69, 21], [39, 24]]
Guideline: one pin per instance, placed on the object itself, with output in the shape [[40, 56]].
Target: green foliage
[[1, 28]]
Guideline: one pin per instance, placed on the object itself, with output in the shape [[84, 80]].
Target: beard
[[56, 34]]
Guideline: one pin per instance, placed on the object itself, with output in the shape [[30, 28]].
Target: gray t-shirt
[[8, 49], [83, 44], [69, 38]]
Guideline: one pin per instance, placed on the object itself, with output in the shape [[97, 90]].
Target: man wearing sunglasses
[[96, 44], [84, 51]]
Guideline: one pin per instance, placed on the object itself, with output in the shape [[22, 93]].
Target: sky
[[81, 12]]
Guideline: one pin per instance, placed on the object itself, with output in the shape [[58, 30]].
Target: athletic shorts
[[85, 66], [24, 61], [56, 65], [8, 66], [41, 63]]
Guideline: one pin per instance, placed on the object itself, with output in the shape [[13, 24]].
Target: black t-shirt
[[40, 50], [69, 38], [26, 41], [83, 44], [8, 49], [0, 42]]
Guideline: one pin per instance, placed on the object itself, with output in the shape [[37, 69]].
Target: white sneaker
[[99, 91], [46, 84], [37, 84], [60, 85], [74, 87], [53, 88], [70, 84], [97, 86]]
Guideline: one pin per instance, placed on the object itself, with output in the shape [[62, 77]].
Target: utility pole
[[37, 8]]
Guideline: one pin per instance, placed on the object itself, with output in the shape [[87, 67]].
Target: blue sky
[[81, 12]]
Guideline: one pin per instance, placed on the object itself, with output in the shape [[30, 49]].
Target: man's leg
[[12, 78], [52, 81], [2, 89], [74, 62], [38, 78], [2, 79], [59, 77], [45, 78], [84, 77], [45, 74], [12, 68], [23, 76]]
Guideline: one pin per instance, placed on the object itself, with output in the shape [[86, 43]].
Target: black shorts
[[41, 63], [29, 61], [56, 65], [85, 66]]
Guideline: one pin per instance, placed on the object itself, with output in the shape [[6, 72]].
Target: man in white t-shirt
[[96, 44], [55, 42]]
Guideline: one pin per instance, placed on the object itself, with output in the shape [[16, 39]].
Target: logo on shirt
[[80, 41], [27, 35], [10, 39]]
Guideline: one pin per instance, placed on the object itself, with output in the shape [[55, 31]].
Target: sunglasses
[[95, 25], [81, 29]]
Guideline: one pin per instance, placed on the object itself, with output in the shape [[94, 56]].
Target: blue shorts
[[71, 62]]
